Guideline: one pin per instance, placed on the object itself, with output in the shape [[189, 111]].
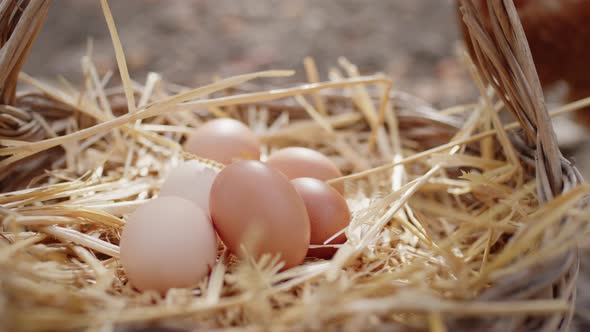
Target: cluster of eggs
[[278, 207]]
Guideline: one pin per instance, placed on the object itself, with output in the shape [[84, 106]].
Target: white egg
[[191, 180], [166, 243]]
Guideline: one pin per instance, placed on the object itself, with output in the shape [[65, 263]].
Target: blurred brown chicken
[[558, 32]]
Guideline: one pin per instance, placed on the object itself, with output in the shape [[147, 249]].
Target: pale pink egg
[[223, 140], [328, 214], [298, 162], [167, 243], [255, 207], [191, 180]]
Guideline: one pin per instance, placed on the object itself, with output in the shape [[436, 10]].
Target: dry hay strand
[[458, 224]]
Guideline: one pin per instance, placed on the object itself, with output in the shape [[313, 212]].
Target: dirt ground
[[414, 42], [189, 42]]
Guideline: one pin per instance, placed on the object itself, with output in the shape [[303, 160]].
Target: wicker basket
[[503, 58], [53, 297]]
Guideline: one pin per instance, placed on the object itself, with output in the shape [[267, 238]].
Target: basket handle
[[20, 23], [501, 53]]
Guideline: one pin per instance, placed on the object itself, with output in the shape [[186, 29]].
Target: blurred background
[[414, 42], [190, 41]]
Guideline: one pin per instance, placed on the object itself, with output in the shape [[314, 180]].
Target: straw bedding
[[460, 221]]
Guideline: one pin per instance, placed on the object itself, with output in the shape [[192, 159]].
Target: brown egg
[[223, 140], [298, 162], [328, 214], [254, 206], [167, 243]]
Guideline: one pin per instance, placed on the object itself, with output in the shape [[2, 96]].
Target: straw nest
[[460, 221]]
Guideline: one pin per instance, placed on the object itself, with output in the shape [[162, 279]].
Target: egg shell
[[298, 162], [251, 202], [328, 214], [166, 243], [223, 140], [191, 180]]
